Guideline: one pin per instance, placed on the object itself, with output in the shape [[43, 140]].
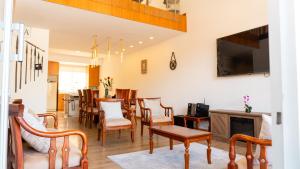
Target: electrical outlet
[[278, 118]]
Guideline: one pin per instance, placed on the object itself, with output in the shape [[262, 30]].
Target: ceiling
[[72, 30]]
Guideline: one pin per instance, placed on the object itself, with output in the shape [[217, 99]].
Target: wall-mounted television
[[244, 53]]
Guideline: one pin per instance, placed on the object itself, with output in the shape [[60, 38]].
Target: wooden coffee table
[[183, 134]]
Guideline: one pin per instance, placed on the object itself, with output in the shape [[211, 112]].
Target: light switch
[[278, 118]]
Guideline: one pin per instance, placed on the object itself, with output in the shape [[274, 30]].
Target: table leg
[[187, 154], [151, 140], [209, 150], [171, 144]]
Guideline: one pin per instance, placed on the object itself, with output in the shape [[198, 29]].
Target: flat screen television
[[244, 53]]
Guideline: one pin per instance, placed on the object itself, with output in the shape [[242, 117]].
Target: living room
[[178, 65]]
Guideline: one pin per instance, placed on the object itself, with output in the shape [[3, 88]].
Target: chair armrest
[[130, 114], [146, 114], [53, 115], [167, 109], [249, 155], [53, 136]]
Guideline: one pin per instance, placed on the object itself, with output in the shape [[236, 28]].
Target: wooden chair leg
[[103, 135], [132, 135], [80, 117], [91, 120], [99, 133], [142, 129], [87, 119]]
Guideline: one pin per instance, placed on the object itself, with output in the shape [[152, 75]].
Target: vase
[[106, 93], [248, 109]]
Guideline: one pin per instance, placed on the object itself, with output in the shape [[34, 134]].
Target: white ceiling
[[72, 29]]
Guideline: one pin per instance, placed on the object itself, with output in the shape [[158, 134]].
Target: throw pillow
[[40, 144], [112, 110], [154, 106], [265, 133]]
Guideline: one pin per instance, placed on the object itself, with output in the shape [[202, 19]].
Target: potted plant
[[247, 107], [107, 84]]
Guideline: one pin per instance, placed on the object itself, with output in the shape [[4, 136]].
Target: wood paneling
[[130, 10], [94, 73], [60, 105], [53, 68]]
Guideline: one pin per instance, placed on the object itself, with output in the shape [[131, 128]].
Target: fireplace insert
[[239, 125]]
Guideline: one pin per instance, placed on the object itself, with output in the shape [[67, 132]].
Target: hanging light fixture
[[95, 56], [108, 49], [122, 49]]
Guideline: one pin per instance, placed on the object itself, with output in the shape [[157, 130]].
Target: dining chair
[[154, 113], [112, 118], [91, 110], [123, 94], [82, 114]]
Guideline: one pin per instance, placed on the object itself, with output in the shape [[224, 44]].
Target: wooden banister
[[249, 155]]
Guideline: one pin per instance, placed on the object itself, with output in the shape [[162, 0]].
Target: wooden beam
[[130, 10]]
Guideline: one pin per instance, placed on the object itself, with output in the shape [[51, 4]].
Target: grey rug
[[163, 158]]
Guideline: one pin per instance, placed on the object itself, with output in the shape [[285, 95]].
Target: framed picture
[[144, 66]]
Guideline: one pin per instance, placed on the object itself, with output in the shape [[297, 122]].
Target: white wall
[[69, 58], [196, 75], [34, 93]]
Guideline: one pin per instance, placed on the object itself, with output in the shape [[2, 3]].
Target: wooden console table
[[220, 121]]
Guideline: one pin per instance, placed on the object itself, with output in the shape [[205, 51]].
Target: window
[[72, 78]]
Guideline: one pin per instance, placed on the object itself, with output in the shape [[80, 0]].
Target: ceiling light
[[123, 49], [131, 46], [141, 42], [117, 52], [77, 51], [151, 37]]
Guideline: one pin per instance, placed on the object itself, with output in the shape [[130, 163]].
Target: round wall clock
[[173, 62]]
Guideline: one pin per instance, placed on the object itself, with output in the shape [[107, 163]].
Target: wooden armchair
[[110, 124], [21, 157], [249, 154], [156, 115]]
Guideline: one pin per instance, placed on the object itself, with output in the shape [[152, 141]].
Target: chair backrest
[[84, 95], [123, 94], [141, 101], [80, 98], [89, 100], [133, 94], [95, 95], [263, 143], [108, 100], [15, 145]]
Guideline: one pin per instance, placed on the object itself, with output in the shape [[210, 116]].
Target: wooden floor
[[97, 155]]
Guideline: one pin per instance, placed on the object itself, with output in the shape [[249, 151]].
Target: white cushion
[[154, 106], [265, 133], [40, 144], [29, 110], [117, 122], [159, 119], [112, 110], [36, 160]]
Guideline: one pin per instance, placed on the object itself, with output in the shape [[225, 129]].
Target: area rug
[[164, 158]]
